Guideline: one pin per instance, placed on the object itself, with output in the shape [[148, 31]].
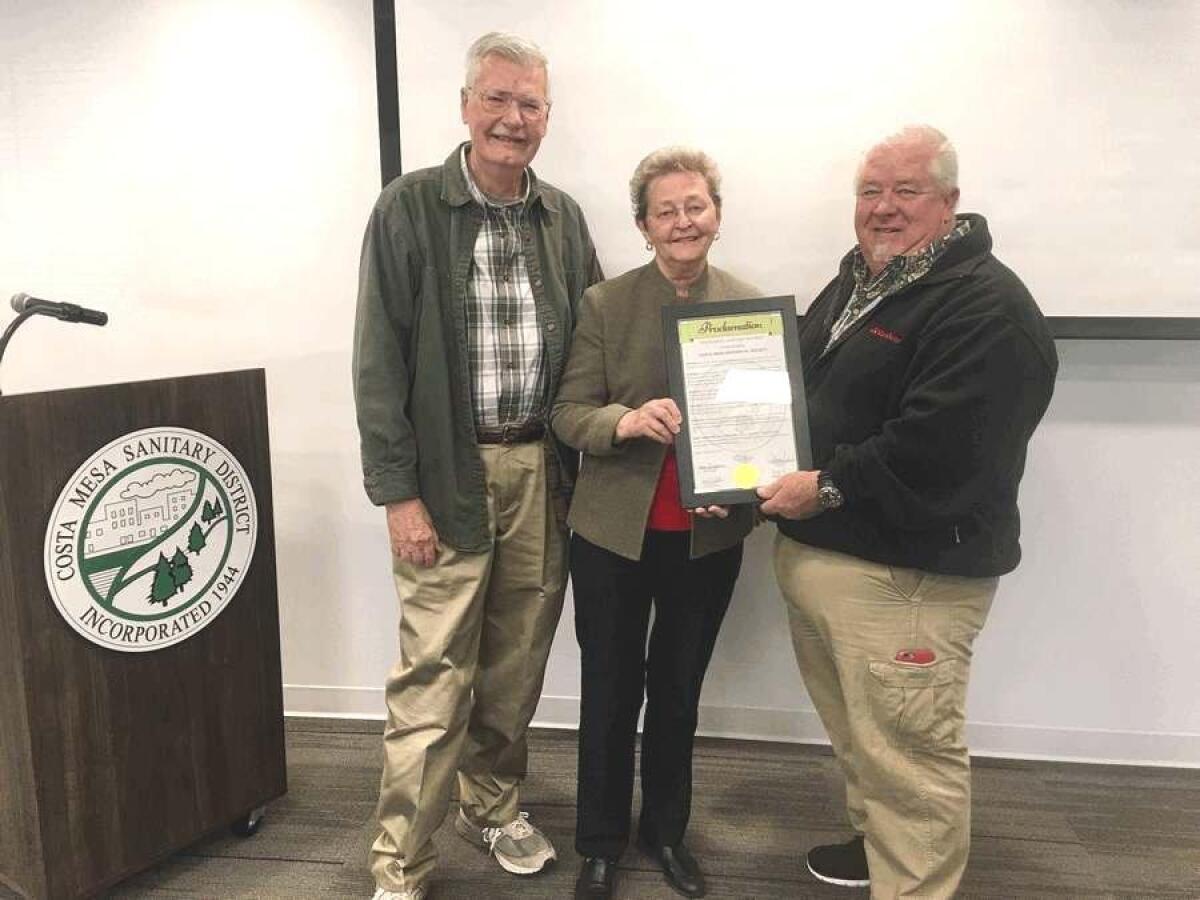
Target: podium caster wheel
[[249, 824]]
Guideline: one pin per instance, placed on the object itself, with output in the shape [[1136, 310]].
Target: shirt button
[[551, 326], [537, 282]]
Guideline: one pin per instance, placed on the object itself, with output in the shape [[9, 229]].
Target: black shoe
[[844, 864], [679, 867], [596, 877]]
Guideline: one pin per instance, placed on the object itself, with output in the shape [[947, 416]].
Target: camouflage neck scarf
[[900, 272]]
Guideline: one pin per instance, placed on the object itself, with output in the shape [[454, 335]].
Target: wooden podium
[[112, 760]]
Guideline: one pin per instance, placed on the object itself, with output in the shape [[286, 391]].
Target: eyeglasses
[[532, 109]]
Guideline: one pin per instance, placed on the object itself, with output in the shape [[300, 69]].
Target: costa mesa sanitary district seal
[[150, 539]]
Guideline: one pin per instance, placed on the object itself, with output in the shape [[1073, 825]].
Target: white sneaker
[[417, 893], [519, 847]]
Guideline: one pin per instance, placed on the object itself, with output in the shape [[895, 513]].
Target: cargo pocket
[[918, 706]]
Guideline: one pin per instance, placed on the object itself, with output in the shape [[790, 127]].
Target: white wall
[[203, 170], [1075, 121]]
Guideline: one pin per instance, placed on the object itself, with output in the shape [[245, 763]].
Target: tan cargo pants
[[896, 724], [475, 633]]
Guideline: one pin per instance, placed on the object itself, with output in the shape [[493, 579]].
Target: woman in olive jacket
[[634, 544]]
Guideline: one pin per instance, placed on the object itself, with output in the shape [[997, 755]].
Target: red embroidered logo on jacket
[[880, 332]]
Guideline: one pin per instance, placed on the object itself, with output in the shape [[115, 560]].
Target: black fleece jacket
[[922, 411]]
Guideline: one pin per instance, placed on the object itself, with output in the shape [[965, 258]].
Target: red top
[[666, 510]]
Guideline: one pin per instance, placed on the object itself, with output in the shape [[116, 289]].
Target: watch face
[[829, 497]]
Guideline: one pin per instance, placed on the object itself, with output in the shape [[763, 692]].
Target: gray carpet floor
[[1040, 829]]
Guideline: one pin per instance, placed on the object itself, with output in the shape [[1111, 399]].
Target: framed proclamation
[[734, 370]]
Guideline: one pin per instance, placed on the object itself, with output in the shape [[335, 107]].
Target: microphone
[[67, 312]]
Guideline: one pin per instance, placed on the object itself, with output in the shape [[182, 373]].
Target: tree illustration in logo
[[182, 560], [163, 586], [181, 570], [171, 575], [196, 538], [212, 511]]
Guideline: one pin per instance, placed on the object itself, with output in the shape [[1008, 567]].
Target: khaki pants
[[896, 727], [475, 632]]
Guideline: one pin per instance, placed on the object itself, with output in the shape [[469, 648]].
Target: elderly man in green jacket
[[469, 281]]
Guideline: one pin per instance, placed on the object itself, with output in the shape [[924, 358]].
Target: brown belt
[[515, 433]]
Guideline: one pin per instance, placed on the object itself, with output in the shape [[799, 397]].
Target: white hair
[[943, 167], [512, 47]]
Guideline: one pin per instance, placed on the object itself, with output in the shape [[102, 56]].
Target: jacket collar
[[456, 193], [963, 255], [960, 257], [697, 290]]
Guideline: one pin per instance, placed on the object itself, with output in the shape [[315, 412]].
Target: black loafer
[[596, 877], [679, 867]]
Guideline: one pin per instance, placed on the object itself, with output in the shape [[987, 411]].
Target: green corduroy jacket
[[412, 385]]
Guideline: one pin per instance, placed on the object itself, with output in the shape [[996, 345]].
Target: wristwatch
[[828, 495]]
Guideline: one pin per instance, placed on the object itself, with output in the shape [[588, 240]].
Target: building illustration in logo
[[128, 521], [150, 539]]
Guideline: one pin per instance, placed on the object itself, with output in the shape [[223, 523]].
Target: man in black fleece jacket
[[927, 366]]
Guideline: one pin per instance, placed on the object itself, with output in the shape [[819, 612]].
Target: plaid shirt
[[504, 339], [900, 272]]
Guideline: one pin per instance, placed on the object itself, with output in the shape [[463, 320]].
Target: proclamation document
[[735, 373]]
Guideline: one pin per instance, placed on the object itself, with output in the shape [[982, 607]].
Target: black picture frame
[[672, 316]]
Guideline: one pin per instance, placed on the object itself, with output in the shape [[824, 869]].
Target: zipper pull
[[957, 539]]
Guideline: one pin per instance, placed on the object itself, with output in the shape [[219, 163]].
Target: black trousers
[[613, 596]]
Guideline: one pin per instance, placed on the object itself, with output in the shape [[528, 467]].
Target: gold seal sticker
[[745, 475]]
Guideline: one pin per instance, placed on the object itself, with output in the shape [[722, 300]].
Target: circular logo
[[150, 539]]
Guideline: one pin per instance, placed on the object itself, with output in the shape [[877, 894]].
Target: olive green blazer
[[615, 365]]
